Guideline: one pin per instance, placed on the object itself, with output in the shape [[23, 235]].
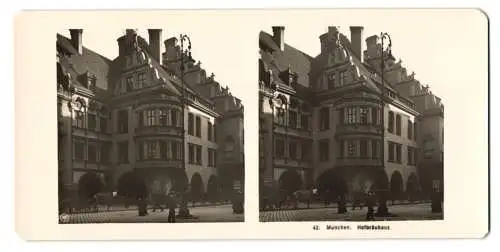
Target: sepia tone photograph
[[347, 132], [145, 132], [157, 123]]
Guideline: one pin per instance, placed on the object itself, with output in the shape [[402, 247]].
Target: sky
[[436, 50], [105, 43]]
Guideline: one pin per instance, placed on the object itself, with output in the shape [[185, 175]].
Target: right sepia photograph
[[347, 133]]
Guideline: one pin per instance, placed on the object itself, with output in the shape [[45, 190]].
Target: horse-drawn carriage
[[274, 198]]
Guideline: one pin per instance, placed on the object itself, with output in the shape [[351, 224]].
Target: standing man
[[171, 202], [370, 203]]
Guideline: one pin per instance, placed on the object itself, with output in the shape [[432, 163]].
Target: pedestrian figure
[[142, 206], [436, 200], [370, 203], [238, 203], [171, 207], [157, 198]]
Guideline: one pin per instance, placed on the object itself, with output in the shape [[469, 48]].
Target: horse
[[304, 196]]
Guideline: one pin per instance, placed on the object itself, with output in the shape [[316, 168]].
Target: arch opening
[[289, 182], [196, 187]]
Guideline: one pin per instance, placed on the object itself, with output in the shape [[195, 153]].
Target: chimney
[[329, 39], [371, 46], [356, 38], [171, 42], [155, 43], [76, 39], [279, 36]]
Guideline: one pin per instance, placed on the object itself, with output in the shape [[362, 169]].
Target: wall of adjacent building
[[405, 168], [203, 169]]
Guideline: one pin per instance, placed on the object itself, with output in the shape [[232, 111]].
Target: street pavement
[[222, 213], [401, 212]]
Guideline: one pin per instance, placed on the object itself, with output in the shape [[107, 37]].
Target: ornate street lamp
[[382, 209], [183, 209]]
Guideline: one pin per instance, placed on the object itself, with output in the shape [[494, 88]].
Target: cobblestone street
[[223, 213], [401, 212]]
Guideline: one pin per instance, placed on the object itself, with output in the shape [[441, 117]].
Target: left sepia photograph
[[145, 133]]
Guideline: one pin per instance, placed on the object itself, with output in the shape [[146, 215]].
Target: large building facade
[[128, 115], [321, 118]]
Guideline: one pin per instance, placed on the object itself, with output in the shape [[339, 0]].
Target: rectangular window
[[280, 148], [410, 156], [324, 149], [164, 150], [209, 131], [92, 123], [151, 150], [363, 148], [191, 124], [198, 126], [363, 115], [198, 155], [398, 153], [341, 148], [210, 157], [293, 119], [215, 158], [325, 118], [123, 152], [92, 153], [342, 116], [105, 153], [415, 130], [79, 120], [141, 80], [151, 118], [191, 153], [304, 122], [351, 148], [280, 116], [130, 83], [79, 151], [163, 117], [331, 80], [103, 124], [292, 149], [175, 115], [343, 78], [215, 133], [175, 150], [375, 149], [306, 150], [351, 115], [410, 130], [123, 121], [390, 128], [392, 150], [398, 125], [375, 116]]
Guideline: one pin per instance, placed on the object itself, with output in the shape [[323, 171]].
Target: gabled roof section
[[77, 64], [299, 61]]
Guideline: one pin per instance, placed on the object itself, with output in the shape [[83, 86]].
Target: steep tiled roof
[[299, 61], [90, 61]]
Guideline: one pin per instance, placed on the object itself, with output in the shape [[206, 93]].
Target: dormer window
[[87, 80], [92, 81]]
